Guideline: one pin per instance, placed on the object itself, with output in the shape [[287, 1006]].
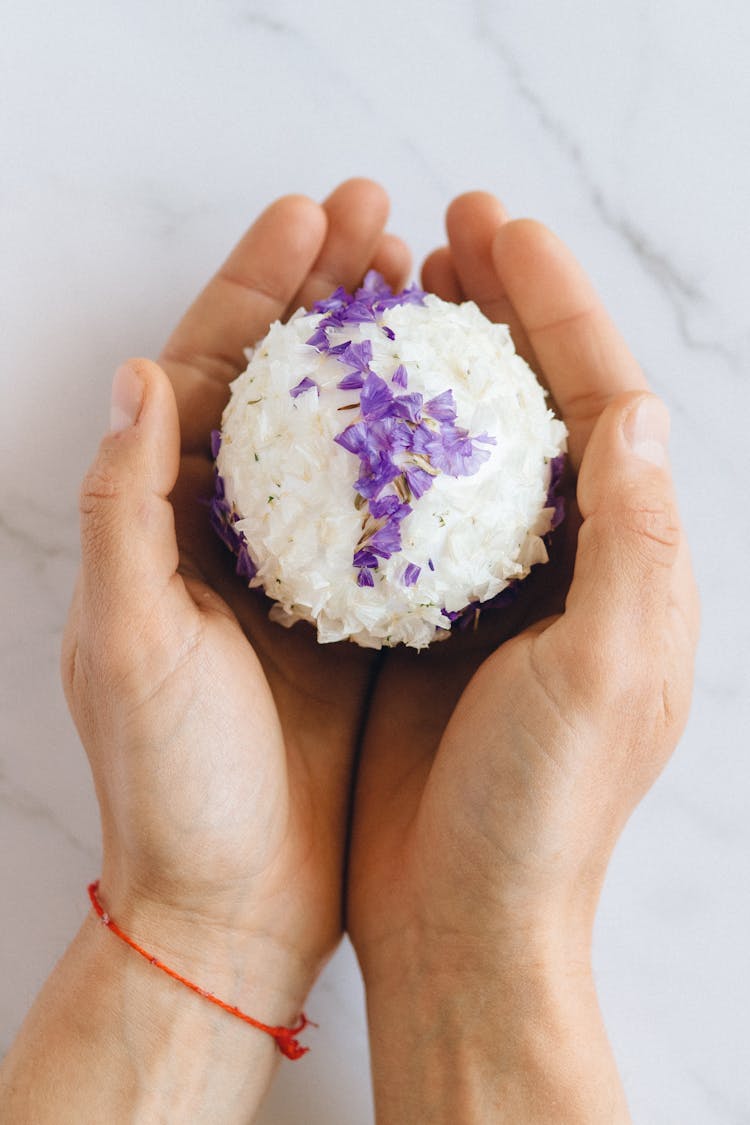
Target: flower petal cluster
[[387, 464], [224, 517]]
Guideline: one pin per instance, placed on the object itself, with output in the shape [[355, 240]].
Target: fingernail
[[646, 430], [127, 399]]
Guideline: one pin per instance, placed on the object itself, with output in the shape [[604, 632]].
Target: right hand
[[499, 768]]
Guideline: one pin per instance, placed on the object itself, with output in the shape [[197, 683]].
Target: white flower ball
[[386, 461]]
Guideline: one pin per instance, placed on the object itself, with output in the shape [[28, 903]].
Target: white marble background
[[137, 141]]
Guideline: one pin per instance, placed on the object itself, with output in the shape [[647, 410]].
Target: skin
[[499, 769], [221, 746], [496, 770]]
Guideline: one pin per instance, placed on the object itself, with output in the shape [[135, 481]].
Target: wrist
[[246, 965], [521, 945], [122, 1042], [188, 1058], [486, 1034]]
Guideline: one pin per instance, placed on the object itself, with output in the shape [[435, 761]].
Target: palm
[[309, 697], [410, 814], [425, 752], [295, 254]]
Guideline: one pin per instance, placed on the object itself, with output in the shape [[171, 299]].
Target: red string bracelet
[[285, 1036]]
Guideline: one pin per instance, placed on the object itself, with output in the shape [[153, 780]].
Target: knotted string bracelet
[[285, 1037]]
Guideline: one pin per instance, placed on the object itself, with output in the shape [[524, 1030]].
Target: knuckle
[[656, 523], [98, 488], [650, 524], [652, 516]]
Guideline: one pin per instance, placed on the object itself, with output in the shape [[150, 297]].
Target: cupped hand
[[221, 745], [499, 767]]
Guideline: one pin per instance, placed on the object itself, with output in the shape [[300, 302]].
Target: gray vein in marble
[[38, 544], [30, 806], [162, 217], [681, 293], [264, 22], [348, 83], [732, 1112], [419, 156]]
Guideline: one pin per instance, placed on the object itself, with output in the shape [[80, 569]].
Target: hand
[[500, 767], [296, 253], [221, 745]]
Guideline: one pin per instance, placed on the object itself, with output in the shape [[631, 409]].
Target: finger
[[356, 213], [472, 221], [439, 276], [582, 356], [392, 259], [630, 569], [128, 544], [251, 290]]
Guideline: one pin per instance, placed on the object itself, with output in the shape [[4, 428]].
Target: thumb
[[128, 545], [629, 541]]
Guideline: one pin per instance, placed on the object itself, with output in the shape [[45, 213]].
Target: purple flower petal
[[376, 398], [558, 503], [357, 356], [455, 453], [557, 465], [338, 298], [222, 518], [411, 574], [365, 578], [319, 339], [418, 480], [215, 443], [351, 382], [380, 471], [304, 385], [374, 285], [246, 568], [399, 376], [408, 406], [339, 349], [386, 540], [388, 332], [358, 312], [423, 440], [431, 564], [442, 408], [388, 506], [365, 557], [390, 434], [353, 438], [413, 295]]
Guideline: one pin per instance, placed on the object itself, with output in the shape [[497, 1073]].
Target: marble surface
[[138, 141]]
